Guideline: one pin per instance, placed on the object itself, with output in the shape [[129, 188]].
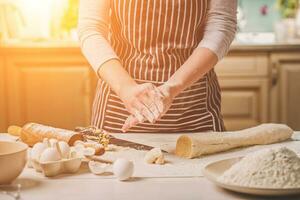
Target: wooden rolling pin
[[32, 133], [195, 145]]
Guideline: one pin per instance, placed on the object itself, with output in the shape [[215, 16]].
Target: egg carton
[[52, 157], [54, 168]]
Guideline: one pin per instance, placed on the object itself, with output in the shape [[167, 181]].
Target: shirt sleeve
[[220, 27], [93, 30]]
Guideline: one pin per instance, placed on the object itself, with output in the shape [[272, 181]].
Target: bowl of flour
[[271, 171]]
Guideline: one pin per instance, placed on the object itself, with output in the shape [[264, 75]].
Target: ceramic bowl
[[13, 156]]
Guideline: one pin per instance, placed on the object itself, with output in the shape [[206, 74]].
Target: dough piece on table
[[160, 160], [155, 155], [195, 145], [99, 149]]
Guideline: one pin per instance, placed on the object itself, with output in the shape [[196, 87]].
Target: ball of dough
[[155, 155], [123, 169], [160, 160]]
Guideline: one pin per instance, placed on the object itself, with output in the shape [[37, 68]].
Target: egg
[[50, 154], [52, 142], [78, 142], [89, 151], [46, 142], [73, 154], [29, 161], [79, 147], [63, 149], [37, 150], [123, 169]]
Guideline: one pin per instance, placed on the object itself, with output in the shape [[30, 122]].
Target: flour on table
[[172, 167], [268, 168]]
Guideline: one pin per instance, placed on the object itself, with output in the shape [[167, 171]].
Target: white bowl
[[13, 156]]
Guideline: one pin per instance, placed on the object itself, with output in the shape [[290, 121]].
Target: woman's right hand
[[144, 101], [141, 100]]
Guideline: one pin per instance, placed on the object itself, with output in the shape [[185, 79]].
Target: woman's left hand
[[167, 96]]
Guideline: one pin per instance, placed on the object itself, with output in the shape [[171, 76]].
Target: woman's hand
[[164, 101], [199, 63], [143, 101], [140, 100]]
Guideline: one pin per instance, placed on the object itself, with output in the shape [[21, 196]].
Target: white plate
[[213, 170]]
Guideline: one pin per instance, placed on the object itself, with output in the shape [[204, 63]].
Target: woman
[[155, 60]]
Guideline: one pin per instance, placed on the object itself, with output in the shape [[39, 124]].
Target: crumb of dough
[[155, 156]]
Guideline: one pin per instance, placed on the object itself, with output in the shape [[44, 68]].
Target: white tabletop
[[143, 188], [88, 186]]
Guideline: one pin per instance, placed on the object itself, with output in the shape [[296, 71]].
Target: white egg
[[89, 151], [37, 150], [80, 142], [50, 154], [29, 164], [52, 142], [64, 149], [73, 154], [46, 141], [123, 169], [97, 167], [79, 147]]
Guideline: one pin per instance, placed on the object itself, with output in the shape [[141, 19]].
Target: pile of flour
[[268, 168]]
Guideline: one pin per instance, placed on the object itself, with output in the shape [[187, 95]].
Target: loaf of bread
[[195, 145], [32, 133]]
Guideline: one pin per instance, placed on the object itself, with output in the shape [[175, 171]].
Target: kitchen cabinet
[[244, 102], [51, 87], [250, 64], [286, 89], [243, 79], [3, 100]]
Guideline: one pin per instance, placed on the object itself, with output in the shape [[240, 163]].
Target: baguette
[[195, 145]]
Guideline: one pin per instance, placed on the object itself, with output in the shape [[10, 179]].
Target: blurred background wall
[[45, 78]]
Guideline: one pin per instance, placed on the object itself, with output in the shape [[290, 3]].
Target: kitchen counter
[[147, 189], [84, 185], [236, 46], [266, 47]]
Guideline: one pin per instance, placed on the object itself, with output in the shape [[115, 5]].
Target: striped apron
[[153, 38]]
